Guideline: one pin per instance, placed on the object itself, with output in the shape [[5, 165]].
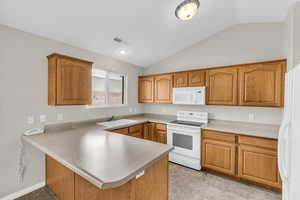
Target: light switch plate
[[60, 117], [30, 120], [251, 116]]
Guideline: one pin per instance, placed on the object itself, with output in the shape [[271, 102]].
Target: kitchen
[[210, 101]]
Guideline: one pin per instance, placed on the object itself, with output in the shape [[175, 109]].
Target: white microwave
[[189, 96]]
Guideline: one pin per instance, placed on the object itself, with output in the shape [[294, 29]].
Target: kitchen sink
[[119, 122]]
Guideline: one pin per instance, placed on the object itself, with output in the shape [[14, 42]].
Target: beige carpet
[[188, 184]]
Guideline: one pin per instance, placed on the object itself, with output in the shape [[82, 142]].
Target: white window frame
[[125, 104]]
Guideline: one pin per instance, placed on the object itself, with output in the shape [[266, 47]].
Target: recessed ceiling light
[[123, 52], [187, 9]]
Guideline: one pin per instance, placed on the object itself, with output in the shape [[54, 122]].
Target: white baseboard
[[24, 191]]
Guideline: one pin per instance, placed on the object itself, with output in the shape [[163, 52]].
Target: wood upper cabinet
[[196, 78], [219, 152], [262, 84], [163, 89], [69, 81], [257, 161], [222, 86], [180, 79], [146, 89]]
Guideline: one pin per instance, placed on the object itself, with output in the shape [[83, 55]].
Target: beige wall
[[23, 80], [235, 45]]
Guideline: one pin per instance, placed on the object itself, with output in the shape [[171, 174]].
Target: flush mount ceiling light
[[187, 9]]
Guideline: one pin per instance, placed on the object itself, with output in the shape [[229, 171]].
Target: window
[[108, 88]]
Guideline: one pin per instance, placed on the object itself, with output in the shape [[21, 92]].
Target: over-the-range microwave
[[189, 96]]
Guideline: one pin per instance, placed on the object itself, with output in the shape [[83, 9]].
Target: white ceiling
[[148, 26]]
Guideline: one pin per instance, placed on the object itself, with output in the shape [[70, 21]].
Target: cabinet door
[[196, 78], [219, 156], [163, 89], [136, 131], [180, 79], [161, 136], [146, 89], [73, 82], [258, 165], [262, 84], [149, 133], [222, 86]]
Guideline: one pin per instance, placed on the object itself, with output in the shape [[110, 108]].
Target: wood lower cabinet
[[146, 89], [67, 185], [247, 158], [69, 81], [59, 179], [136, 131], [161, 136], [155, 132], [262, 84], [124, 131], [219, 152], [222, 86], [258, 162], [161, 133], [180, 79], [196, 78], [163, 89], [149, 131]]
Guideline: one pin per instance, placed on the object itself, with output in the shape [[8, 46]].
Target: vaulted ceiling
[[149, 28]]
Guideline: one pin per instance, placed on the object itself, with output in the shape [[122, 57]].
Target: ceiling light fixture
[[122, 52], [187, 9]]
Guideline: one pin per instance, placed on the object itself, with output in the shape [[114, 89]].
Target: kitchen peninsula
[[84, 161]]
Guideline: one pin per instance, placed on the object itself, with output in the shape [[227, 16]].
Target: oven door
[[185, 141]]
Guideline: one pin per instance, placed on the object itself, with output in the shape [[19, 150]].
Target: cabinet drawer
[[136, 128], [259, 142], [162, 127], [215, 135]]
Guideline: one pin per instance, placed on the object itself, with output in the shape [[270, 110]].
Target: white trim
[[24, 191]]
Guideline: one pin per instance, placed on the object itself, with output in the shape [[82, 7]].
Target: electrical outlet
[[60, 117], [30, 120], [135, 110], [43, 118], [251, 116], [130, 110]]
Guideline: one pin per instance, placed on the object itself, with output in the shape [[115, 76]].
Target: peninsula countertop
[[103, 158], [109, 160]]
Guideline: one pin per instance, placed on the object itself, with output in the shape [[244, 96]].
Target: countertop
[[242, 128], [108, 159], [104, 158]]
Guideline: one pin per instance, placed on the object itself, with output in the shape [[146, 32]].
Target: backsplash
[[232, 113]]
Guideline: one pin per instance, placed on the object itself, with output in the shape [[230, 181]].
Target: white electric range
[[185, 135]]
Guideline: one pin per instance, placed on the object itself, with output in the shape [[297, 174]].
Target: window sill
[[105, 106]]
